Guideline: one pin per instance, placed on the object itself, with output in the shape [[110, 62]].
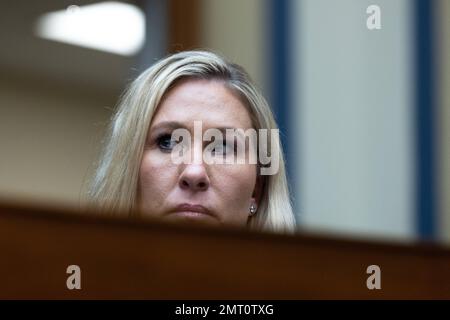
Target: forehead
[[209, 101]]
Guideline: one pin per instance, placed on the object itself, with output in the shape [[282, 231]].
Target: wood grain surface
[[124, 258]]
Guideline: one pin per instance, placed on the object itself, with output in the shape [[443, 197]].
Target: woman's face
[[194, 190]]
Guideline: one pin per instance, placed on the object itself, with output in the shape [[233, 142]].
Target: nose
[[194, 177]]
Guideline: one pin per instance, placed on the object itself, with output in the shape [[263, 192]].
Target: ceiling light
[[108, 26]]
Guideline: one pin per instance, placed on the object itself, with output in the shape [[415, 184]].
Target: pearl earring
[[252, 209]]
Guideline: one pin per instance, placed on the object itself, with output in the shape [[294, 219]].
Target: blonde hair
[[114, 185]]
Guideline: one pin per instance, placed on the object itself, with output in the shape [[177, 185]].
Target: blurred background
[[364, 114]]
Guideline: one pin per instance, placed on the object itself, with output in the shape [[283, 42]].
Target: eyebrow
[[168, 125], [176, 125]]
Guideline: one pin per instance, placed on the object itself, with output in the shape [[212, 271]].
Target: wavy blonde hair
[[114, 185]]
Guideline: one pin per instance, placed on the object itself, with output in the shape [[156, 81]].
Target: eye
[[222, 148], [165, 142]]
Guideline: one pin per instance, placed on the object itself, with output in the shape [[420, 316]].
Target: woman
[[137, 172]]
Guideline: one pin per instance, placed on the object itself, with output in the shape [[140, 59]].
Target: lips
[[192, 208]]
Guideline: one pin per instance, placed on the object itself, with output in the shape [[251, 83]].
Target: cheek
[[238, 184], [156, 177]]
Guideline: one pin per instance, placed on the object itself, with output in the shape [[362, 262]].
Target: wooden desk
[[136, 259]]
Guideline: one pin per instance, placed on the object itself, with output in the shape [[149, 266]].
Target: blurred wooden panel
[[184, 24], [123, 259]]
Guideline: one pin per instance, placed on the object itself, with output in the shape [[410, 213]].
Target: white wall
[[49, 134], [352, 92], [443, 121]]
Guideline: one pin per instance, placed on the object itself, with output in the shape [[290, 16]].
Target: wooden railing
[[135, 258]]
